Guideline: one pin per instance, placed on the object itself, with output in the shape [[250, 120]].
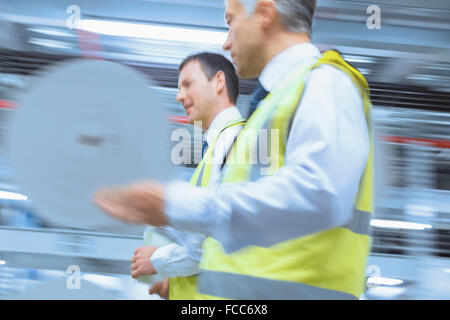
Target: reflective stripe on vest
[[360, 222], [185, 288], [241, 287], [326, 265]]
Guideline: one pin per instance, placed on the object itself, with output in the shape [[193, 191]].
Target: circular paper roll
[[86, 124]]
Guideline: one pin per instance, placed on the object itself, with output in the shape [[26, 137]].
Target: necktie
[[258, 94], [204, 147]]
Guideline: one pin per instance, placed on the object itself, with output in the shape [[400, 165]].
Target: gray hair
[[297, 15]]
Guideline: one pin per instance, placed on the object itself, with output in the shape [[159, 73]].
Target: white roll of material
[[87, 124]]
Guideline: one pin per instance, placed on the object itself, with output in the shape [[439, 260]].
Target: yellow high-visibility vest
[[185, 288], [325, 265]]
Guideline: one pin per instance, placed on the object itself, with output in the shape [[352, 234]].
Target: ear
[[220, 82], [265, 13]]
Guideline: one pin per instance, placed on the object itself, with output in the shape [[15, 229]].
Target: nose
[[180, 96], [227, 44]]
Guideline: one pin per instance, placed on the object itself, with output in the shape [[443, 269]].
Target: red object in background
[[90, 45], [442, 144], [178, 119], [7, 104]]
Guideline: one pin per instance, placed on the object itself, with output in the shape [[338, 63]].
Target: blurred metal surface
[[58, 249]]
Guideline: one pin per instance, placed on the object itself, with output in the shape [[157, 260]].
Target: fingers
[[111, 207], [156, 288], [161, 288], [136, 269], [164, 292], [143, 253], [135, 274], [136, 255], [136, 203], [142, 267], [104, 197], [113, 201]]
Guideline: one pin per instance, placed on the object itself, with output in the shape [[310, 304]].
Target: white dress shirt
[[182, 257], [326, 153], [224, 142]]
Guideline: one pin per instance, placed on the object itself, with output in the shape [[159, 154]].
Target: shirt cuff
[[174, 260]]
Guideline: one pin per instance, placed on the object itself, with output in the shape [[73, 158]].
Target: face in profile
[[244, 40], [195, 92]]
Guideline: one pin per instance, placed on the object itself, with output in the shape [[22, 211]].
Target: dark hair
[[212, 63]]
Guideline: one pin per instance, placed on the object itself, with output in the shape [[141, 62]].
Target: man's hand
[[141, 202], [141, 264], [161, 288]]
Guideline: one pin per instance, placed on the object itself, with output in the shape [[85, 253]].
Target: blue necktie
[[258, 94], [204, 148]]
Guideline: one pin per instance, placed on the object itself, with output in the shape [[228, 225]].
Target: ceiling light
[[125, 29], [12, 196], [399, 224], [381, 281]]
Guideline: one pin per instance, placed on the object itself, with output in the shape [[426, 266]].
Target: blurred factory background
[[407, 62]]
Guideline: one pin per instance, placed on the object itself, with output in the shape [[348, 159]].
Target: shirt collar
[[285, 62], [220, 121]]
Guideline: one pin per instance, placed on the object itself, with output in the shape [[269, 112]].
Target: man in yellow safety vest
[[297, 226], [208, 90]]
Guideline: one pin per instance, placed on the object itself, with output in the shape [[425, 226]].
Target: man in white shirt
[[208, 90], [326, 152]]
